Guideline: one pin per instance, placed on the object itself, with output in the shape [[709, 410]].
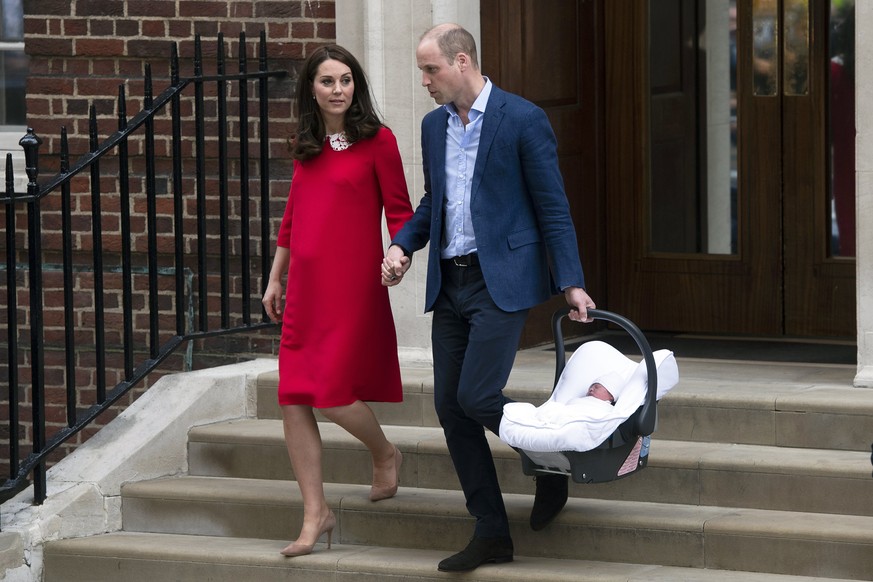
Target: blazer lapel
[[490, 125]]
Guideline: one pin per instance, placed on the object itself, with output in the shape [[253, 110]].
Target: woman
[[339, 346]]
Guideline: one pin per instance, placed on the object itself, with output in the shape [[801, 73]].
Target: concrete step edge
[[414, 564], [740, 393], [434, 504], [664, 452]]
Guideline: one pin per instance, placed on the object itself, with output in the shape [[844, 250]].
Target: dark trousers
[[474, 345]]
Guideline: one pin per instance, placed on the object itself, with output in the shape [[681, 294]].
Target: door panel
[[673, 265], [661, 275], [548, 52], [819, 287], [675, 148]]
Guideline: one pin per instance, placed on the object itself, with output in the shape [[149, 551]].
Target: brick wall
[[80, 52]]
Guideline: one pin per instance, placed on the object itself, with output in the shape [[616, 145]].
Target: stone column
[[864, 177], [383, 36]]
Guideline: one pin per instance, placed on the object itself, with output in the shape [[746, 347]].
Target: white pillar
[[383, 36], [864, 182]]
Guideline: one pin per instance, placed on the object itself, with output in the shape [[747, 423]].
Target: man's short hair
[[457, 40]]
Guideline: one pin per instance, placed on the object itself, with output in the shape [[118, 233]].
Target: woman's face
[[334, 89]]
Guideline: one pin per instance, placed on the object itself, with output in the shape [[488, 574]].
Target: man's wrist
[[405, 252]]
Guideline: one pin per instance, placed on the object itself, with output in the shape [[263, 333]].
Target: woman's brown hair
[[362, 120]]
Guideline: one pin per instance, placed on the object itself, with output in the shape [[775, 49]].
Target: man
[[501, 241]]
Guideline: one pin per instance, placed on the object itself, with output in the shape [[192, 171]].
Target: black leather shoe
[[479, 551], [550, 499]]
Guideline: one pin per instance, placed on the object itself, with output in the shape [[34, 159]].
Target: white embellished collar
[[338, 141]]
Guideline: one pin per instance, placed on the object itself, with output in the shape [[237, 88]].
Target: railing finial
[[30, 143]]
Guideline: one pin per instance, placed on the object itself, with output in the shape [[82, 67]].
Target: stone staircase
[[757, 472]]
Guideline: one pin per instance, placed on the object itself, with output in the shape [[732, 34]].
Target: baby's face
[[600, 392]]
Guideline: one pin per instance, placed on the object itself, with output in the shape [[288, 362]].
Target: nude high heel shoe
[[297, 549], [380, 492]]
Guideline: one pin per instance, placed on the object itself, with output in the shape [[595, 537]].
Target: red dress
[[338, 339]]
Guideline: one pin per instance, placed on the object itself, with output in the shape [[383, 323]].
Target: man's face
[[441, 79]]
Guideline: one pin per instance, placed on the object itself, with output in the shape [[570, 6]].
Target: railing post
[[265, 170], [12, 318], [31, 142]]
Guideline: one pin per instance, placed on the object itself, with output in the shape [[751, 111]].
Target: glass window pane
[[693, 121], [11, 21], [765, 45], [796, 55]]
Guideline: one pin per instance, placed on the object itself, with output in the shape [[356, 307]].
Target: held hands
[[580, 302], [394, 266]]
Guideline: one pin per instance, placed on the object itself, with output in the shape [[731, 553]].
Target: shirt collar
[[479, 104]]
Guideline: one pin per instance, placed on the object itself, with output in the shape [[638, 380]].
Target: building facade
[[728, 225]]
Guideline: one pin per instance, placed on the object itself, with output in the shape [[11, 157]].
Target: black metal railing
[[138, 361]]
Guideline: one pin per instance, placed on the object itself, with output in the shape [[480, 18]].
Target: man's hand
[[580, 302], [394, 266]]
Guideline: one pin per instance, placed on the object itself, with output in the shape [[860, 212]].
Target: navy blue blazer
[[521, 219]]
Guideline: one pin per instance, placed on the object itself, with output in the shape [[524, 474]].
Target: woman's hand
[[394, 266], [272, 301]]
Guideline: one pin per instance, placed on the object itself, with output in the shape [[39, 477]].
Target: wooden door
[[694, 248], [818, 159], [548, 51]]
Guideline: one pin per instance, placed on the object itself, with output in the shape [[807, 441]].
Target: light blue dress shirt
[[462, 146]]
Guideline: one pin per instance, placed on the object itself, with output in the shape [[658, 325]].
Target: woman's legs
[[304, 448], [358, 419]]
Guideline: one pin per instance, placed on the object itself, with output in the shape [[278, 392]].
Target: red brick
[[76, 68], [154, 28], [48, 7], [101, 27], [55, 47], [75, 27], [37, 106], [278, 9], [151, 8], [180, 28], [322, 9], [206, 29], [49, 86], [301, 30], [149, 48], [97, 86], [100, 7], [289, 50], [326, 30], [207, 8], [35, 26], [78, 107], [103, 67], [132, 68], [241, 10], [127, 28]]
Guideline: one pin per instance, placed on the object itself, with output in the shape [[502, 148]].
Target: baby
[[605, 387], [600, 392]]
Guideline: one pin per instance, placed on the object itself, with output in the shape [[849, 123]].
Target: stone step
[[776, 542], [692, 473], [143, 557], [772, 403]]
